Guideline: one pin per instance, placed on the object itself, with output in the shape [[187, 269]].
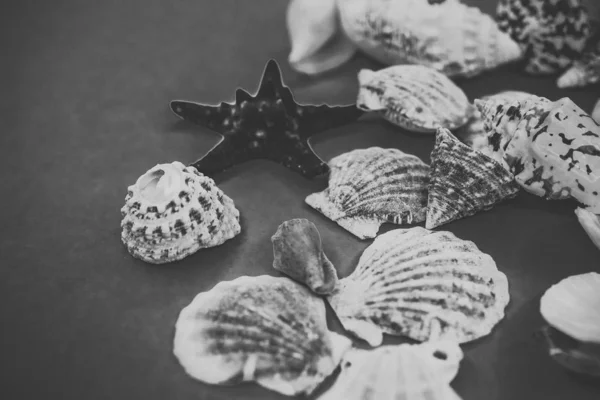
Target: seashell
[[590, 223], [552, 32], [580, 357], [585, 71], [412, 372], [173, 211], [421, 284], [450, 37], [463, 181], [368, 187], [264, 329], [414, 97], [299, 254], [573, 306], [596, 112]]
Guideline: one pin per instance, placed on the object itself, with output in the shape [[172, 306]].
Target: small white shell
[[590, 223], [573, 306], [402, 372], [414, 97]]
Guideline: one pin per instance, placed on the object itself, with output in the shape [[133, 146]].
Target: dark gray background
[[84, 92]]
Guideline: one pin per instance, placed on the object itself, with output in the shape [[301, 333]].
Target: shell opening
[[156, 185]]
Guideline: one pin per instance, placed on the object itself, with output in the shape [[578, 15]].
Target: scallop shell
[[580, 357], [411, 372], [264, 329], [172, 211], [573, 306], [585, 71], [450, 37], [463, 181], [596, 112], [298, 253], [368, 187], [421, 284], [414, 97], [590, 223]]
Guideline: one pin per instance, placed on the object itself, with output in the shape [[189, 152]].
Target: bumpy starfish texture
[[266, 125]]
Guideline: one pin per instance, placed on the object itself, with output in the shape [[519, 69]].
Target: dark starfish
[[268, 125]]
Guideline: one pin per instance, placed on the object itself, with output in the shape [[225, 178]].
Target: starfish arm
[[222, 156], [217, 118]]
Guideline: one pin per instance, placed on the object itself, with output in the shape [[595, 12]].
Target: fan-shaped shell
[[264, 329], [368, 187], [590, 222], [411, 372], [421, 284], [463, 181], [450, 37], [573, 306], [172, 211], [414, 97]]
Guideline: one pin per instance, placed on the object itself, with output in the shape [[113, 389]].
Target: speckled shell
[[590, 223], [552, 32], [368, 187], [264, 329], [573, 306], [414, 97], [585, 71], [421, 284], [451, 37], [402, 372], [552, 148], [463, 181], [172, 211], [596, 112], [298, 253]]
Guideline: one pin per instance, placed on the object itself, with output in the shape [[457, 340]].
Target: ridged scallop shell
[[450, 37], [172, 211], [264, 329], [552, 148], [590, 223], [463, 181], [421, 284], [414, 97], [298, 253], [585, 71], [596, 112], [573, 306], [369, 187], [403, 372]]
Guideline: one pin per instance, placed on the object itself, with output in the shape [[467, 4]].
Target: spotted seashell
[[407, 372], [463, 181], [264, 329], [585, 71], [552, 33], [414, 97], [448, 36], [172, 211], [368, 187], [422, 284], [590, 223], [552, 148], [298, 253]]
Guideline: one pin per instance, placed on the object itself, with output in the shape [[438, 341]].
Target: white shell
[[414, 97], [596, 112], [421, 284], [264, 329], [573, 306], [368, 187], [590, 223], [403, 372], [172, 211], [450, 37]]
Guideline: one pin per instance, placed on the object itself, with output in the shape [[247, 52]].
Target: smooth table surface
[[84, 93]]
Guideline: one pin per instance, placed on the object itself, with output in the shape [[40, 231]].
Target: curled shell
[[463, 181], [411, 372], [414, 97], [573, 307], [580, 357], [172, 211], [264, 329], [585, 71], [299, 254], [421, 284], [450, 37], [590, 223], [368, 187]]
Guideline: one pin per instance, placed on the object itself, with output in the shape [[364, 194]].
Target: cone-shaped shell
[[264, 329], [421, 284], [451, 37], [368, 187], [414, 97], [573, 306], [172, 211], [590, 223], [411, 372], [463, 181], [298, 253], [580, 357]]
